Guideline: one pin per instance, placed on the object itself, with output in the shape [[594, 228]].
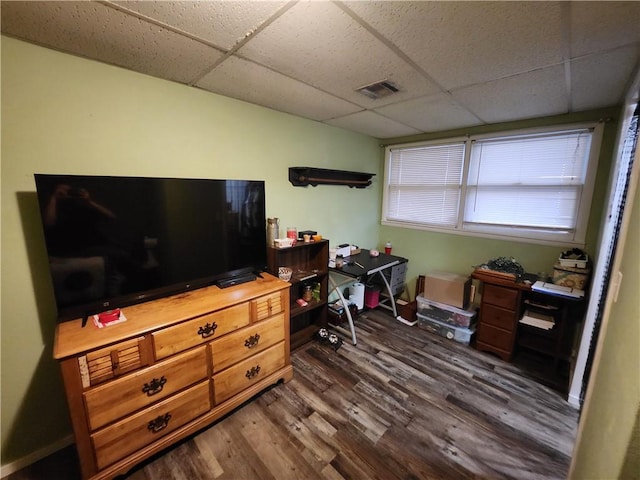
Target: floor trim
[[33, 457]]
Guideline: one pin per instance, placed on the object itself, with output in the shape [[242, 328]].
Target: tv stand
[[236, 280], [177, 365]]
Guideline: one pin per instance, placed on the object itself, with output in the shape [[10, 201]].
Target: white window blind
[[533, 185], [529, 182], [425, 183]]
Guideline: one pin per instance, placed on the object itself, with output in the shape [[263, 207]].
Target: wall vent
[[377, 90]]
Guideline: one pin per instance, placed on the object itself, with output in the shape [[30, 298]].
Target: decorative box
[[571, 277], [575, 258]]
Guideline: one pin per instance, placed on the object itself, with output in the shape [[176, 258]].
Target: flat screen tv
[[118, 241]]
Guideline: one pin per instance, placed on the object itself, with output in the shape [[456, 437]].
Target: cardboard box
[[448, 288]]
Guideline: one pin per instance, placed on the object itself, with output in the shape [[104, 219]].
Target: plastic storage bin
[[446, 313], [459, 334]]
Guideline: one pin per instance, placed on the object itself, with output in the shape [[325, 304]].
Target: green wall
[[62, 114], [613, 399]]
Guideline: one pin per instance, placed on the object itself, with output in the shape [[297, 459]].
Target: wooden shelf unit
[[309, 262], [557, 342]]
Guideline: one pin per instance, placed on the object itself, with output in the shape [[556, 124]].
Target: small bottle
[[307, 294], [273, 230], [387, 248], [339, 261], [292, 233], [316, 292]]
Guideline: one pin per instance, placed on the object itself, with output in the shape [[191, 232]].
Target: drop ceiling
[[454, 64]]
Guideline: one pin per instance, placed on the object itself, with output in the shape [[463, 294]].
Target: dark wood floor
[[402, 404]]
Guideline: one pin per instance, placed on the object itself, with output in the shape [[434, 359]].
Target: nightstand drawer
[[246, 373], [498, 317], [495, 337], [500, 296], [122, 438], [199, 330], [111, 401]]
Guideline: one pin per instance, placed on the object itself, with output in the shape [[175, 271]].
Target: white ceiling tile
[[321, 45], [372, 124], [222, 23], [462, 43], [451, 60], [598, 26], [120, 40], [600, 80], [534, 94], [253, 83], [430, 114]]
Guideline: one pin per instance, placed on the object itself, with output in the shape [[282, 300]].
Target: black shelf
[[304, 176], [556, 342]]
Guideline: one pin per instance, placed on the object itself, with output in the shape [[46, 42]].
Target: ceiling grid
[[456, 64]]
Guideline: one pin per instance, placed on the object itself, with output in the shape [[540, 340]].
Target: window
[[533, 185]]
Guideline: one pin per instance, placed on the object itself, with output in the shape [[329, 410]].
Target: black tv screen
[[117, 241]]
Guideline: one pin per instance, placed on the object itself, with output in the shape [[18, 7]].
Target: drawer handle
[[253, 372], [252, 341], [159, 423], [154, 386], [208, 330]]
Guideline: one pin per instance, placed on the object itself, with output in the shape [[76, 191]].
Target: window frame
[[578, 236]]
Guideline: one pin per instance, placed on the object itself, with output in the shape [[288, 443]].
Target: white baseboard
[[8, 469], [573, 401]]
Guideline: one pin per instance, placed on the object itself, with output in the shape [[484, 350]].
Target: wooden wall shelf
[[304, 176]]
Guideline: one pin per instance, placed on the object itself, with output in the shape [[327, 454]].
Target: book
[[559, 290]]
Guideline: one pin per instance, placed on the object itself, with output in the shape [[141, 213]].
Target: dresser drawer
[[199, 330], [500, 296], [246, 373], [498, 317], [111, 401], [122, 438], [111, 362], [250, 340], [496, 337], [265, 307]]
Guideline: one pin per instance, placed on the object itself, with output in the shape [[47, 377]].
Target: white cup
[[332, 253]]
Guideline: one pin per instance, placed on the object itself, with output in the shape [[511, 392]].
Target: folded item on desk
[[553, 289], [538, 320]]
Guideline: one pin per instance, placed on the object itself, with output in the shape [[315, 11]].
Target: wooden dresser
[[173, 367], [500, 311]]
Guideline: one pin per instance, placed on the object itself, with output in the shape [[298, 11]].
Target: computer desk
[[361, 268]]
